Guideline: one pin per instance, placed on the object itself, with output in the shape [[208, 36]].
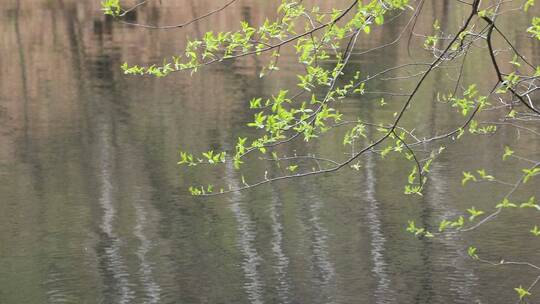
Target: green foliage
[[506, 204], [470, 100], [474, 128], [187, 159], [209, 157], [472, 253], [530, 173], [212, 158], [292, 168], [418, 232], [467, 176], [484, 175], [528, 4], [535, 231], [489, 13], [458, 224], [431, 41], [509, 81], [474, 213], [467, 103], [444, 224], [111, 7], [535, 28], [507, 153], [281, 114], [355, 133], [522, 293], [202, 190], [515, 61], [411, 187], [531, 203]]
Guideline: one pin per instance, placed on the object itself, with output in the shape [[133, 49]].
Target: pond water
[[94, 209]]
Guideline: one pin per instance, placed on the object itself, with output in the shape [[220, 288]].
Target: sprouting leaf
[[458, 224], [531, 203], [507, 152], [255, 103], [530, 173], [467, 176], [356, 166], [413, 189], [444, 224], [461, 131], [472, 253], [386, 150], [522, 292], [292, 168], [512, 114], [196, 191], [484, 175], [411, 227], [379, 19], [111, 7], [474, 213], [367, 29], [515, 61], [506, 204], [535, 231], [535, 28], [528, 4]]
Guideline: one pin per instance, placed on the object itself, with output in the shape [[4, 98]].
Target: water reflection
[[114, 269], [151, 289], [383, 292], [321, 263], [460, 276], [281, 265], [246, 243]]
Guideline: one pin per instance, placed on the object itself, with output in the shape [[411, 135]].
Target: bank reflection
[[384, 292], [251, 261]]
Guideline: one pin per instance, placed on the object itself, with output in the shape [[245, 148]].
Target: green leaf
[[467, 176], [367, 29], [530, 173], [535, 28], [515, 61], [472, 253], [458, 224], [528, 4], [474, 213], [531, 203], [522, 292], [292, 168], [255, 103], [507, 152], [506, 204], [411, 227], [484, 175], [535, 231], [444, 224], [111, 7]]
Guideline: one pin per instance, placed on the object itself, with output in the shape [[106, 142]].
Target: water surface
[[94, 209]]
